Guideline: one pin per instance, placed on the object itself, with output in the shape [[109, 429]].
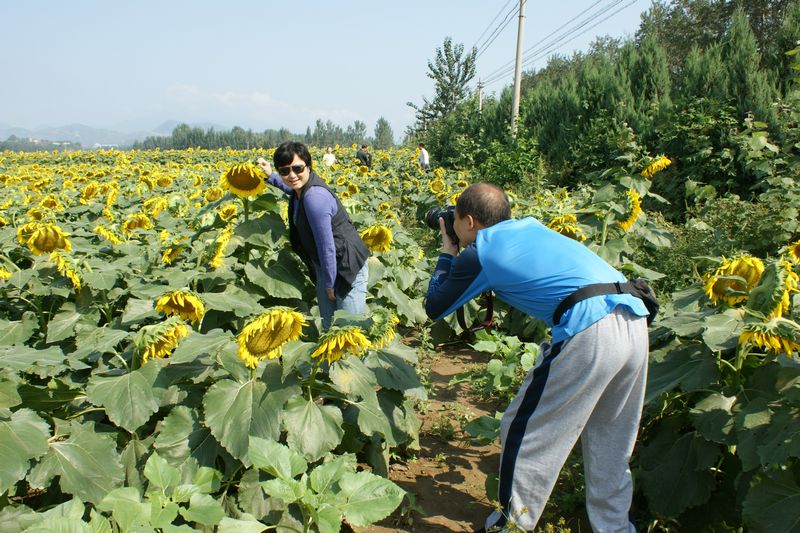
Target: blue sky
[[130, 65]]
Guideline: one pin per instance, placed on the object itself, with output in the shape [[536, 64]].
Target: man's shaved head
[[486, 203]]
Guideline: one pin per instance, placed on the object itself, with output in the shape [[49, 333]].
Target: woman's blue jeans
[[355, 301]]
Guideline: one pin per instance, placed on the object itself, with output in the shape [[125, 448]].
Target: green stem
[[311, 378], [246, 202], [605, 232]]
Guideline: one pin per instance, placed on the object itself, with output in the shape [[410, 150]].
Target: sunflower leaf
[[313, 429], [368, 498], [129, 399], [23, 436], [87, 463], [17, 331]]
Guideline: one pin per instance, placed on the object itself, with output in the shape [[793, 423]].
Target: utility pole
[[518, 70], [480, 97]]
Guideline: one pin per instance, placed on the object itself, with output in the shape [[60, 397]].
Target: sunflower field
[[162, 367]]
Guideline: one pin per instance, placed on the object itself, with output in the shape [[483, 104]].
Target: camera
[[448, 214]]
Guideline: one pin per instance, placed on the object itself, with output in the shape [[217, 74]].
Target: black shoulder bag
[[637, 287]]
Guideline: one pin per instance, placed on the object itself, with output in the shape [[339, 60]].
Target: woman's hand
[[331, 294], [263, 163]]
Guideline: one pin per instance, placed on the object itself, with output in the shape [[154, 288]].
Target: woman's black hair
[[284, 154]]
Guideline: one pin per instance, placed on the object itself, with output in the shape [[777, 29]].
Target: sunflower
[[339, 341], [462, 184], [213, 194], [377, 238], [772, 296], [185, 304], [197, 180], [90, 190], [25, 231], [67, 268], [222, 243], [4, 221], [439, 173], [52, 202], [4, 273], [454, 198], [363, 170], [171, 254], [264, 337], [164, 181], [352, 188], [136, 221], [228, 211], [154, 206], [658, 165], [46, 238], [717, 288], [634, 209], [794, 252], [107, 234], [341, 180], [243, 180], [36, 213], [382, 331], [161, 339], [384, 206], [776, 335], [437, 186], [344, 195]]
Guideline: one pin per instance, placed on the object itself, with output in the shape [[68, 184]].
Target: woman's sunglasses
[[297, 169]]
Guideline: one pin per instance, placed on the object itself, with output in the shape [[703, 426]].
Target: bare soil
[[447, 476]]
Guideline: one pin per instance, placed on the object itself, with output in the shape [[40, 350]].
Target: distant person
[[320, 232], [328, 159], [424, 159], [364, 157]]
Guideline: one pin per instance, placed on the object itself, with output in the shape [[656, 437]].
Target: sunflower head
[[213, 194], [185, 304], [341, 180], [136, 221], [377, 238], [46, 238], [243, 180], [383, 327], [228, 211], [659, 164], [352, 188], [67, 267], [339, 341], [772, 296], [720, 288], [776, 335], [154, 206], [437, 186], [159, 340], [793, 251], [384, 206], [107, 234], [634, 209], [264, 337]]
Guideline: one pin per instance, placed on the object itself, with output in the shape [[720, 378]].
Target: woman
[[320, 232]]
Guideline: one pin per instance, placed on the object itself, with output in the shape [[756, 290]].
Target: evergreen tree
[[384, 137], [748, 84]]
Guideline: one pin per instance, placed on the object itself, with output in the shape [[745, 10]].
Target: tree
[[451, 71], [384, 137]]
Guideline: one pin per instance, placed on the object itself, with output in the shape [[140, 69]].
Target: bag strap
[[596, 289], [486, 323]]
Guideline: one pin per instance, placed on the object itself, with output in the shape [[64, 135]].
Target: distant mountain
[[89, 136]]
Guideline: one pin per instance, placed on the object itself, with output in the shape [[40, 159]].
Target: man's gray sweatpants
[[591, 385]]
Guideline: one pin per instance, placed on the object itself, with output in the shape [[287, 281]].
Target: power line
[[506, 65], [560, 41], [498, 30], [490, 25], [568, 34]]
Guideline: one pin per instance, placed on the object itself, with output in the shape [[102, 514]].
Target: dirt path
[[447, 477]]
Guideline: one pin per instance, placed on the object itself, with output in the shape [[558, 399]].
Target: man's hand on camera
[[448, 247], [263, 163]]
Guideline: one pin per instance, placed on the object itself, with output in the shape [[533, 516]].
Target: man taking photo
[[589, 381]]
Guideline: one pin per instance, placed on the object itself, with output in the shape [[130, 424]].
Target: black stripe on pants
[[516, 431]]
